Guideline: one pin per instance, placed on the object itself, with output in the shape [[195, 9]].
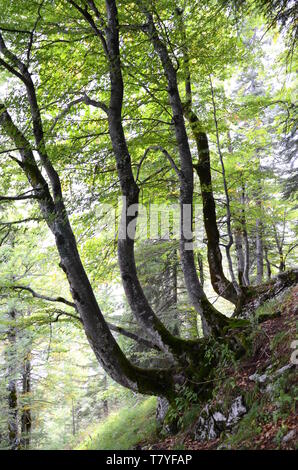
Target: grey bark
[[220, 283], [212, 320], [227, 196], [245, 237], [53, 210], [259, 251], [137, 300], [240, 256], [11, 357], [268, 264], [26, 416]]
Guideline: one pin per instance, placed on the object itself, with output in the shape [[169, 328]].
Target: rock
[[205, 428], [220, 420], [161, 413], [288, 437], [224, 447], [236, 412], [212, 422], [269, 389], [161, 410]]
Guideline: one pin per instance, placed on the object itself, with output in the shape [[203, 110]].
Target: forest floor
[[270, 421]]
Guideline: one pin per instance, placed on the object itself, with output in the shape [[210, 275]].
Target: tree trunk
[[130, 191], [212, 320], [268, 265], [227, 196], [26, 418], [259, 250], [11, 357], [240, 256], [106, 349], [105, 404], [245, 237], [201, 269], [220, 283]]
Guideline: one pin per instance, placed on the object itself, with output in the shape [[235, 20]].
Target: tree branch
[[65, 111], [29, 219], [167, 155], [96, 104], [90, 20], [25, 76], [131, 335], [117, 329], [10, 69], [19, 197], [31, 39], [44, 297]]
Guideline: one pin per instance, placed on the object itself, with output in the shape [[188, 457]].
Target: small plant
[[280, 434], [187, 397]]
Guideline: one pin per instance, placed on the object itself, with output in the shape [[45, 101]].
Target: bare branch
[[19, 197], [65, 111], [166, 153], [33, 31], [43, 297], [25, 76], [22, 221], [84, 99], [10, 69], [15, 61], [131, 335], [13, 30], [90, 20], [117, 329], [96, 104]]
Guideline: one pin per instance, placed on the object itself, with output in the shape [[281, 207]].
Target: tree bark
[[137, 300], [105, 347], [11, 357], [26, 418], [259, 250], [220, 283], [212, 320], [268, 265], [245, 236], [240, 256], [227, 196]]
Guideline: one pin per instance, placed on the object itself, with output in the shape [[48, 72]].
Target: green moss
[[249, 427]]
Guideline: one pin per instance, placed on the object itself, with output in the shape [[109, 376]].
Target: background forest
[[209, 95]]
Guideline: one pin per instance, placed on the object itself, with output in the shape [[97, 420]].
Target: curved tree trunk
[[220, 283], [133, 290], [106, 349], [212, 320], [50, 198]]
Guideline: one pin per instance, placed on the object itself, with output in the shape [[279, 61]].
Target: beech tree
[[105, 31]]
